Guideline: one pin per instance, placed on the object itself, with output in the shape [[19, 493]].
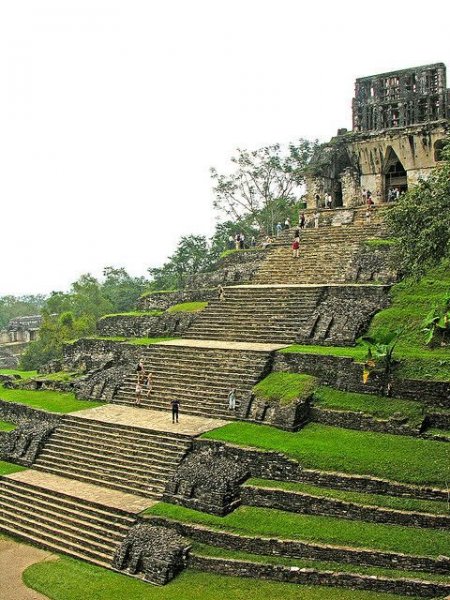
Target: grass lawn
[[398, 503], [268, 522], [305, 563], [6, 468], [22, 374], [399, 458], [50, 400], [377, 406], [7, 426], [187, 307], [285, 387], [68, 579]]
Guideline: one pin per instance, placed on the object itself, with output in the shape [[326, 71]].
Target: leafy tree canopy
[[421, 220], [19, 306], [260, 179]]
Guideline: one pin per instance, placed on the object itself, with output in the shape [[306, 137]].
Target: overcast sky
[[111, 113]]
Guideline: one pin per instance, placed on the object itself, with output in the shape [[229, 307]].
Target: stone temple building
[[400, 122]]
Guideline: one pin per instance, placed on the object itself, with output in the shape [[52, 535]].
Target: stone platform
[[83, 491], [223, 345], [154, 420]]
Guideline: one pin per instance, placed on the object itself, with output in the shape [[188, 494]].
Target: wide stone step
[[127, 463], [56, 544], [139, 436], [117, 516], [204, 375], [112, 444], [70, 536], [152, 492], [74, 527], [107, 526], [73, 446], [104, 467], [189, 408]]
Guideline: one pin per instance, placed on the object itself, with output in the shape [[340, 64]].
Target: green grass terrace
[[396, 458], [49, 400], [68, 579], [273, 523]]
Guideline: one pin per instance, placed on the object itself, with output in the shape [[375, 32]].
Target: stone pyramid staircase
[[200, 377], [63, 523], [258, 314], [326, 254], [119, 457]]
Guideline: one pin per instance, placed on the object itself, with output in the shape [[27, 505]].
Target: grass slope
[[135, 313], [21, 374], [7, 426], [187, 307], [6, 468], [267, 522], [384, 501], [399, 458], [285, 387], [68, 579], [376, 406], [52, 401]]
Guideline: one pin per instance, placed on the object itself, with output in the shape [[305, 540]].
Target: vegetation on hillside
[[49, 400], [285, 387], [420, 220]]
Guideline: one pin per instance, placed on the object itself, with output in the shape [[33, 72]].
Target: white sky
[[111, 113]]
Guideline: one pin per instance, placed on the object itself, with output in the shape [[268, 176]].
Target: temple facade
[[401, 120]]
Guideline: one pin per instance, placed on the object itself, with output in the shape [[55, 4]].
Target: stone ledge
[[309, 504], [285, 574], [303, 549]]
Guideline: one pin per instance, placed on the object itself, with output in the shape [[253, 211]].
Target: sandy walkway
[[14, 559]]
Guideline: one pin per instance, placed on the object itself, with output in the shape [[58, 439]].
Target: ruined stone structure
[[15, 338], [400, 122]]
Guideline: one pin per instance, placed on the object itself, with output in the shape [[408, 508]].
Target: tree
[[121, 289], [420, 220], [19, 306], [191, 256], [262, 178]]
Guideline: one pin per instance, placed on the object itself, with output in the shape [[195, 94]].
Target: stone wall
[[164, 300], [345, 374], [300, 549], [235, 269], [372, 264], [362, 422], [91, 354], [311, 577], [343, 314], [309, 504], [165, 325]]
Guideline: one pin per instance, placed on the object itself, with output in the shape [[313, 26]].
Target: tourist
[[295, 248], [175, 404], [149, 384], [237, 241], [279, 228], [230, 242], [370, 202], [221, 293], [302, 221], [138, 391], [140, 371], [317, 200], [242, 242], [267, 242], [329, 201], [287, 223], [316, 217], [253, 242], [232, 399], [364, 195], [297, 234]]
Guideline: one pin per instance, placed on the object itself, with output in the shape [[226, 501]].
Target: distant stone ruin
[[400, 122]]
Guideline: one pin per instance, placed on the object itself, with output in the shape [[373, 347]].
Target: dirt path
[[14, 559]]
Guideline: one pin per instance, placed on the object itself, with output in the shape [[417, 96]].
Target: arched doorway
[[395, 177]]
